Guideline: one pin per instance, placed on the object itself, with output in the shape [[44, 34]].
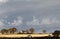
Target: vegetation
[[13, 30], [27, 31], [31, 30], [56, 33], [44, 31], [4, 31]]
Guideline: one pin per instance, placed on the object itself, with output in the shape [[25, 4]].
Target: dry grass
[[23, 35]]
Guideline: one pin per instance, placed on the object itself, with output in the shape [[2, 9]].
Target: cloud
[[28, 0], [49, 21], [28, 8], [37, 6], [44, 21], [3, 1], [34, 22], [1, 23], [17, 22]]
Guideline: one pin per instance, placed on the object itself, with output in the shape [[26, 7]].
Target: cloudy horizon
[[24, 14]]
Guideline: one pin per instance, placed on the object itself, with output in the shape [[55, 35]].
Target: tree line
[[14, 30]]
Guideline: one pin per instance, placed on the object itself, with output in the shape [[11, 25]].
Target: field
[[25, 36], [32, 38]]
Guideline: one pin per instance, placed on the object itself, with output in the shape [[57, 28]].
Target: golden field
[[23, 35]]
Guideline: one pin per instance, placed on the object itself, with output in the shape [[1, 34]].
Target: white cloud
[[2, 23], [34, 22], [3, 1], [17, 22], [44, 21], [49, 21]]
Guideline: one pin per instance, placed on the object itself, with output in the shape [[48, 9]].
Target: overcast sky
[[24, 14]]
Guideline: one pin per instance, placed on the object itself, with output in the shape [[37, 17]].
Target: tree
[[12, 30], [27, 31], [31, 30], [4, 31], [44, 31], [56, 33]]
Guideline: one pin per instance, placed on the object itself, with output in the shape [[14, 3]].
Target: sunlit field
[[23, 35]]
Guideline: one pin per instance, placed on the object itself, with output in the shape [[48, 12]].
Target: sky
[[24, 14]]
